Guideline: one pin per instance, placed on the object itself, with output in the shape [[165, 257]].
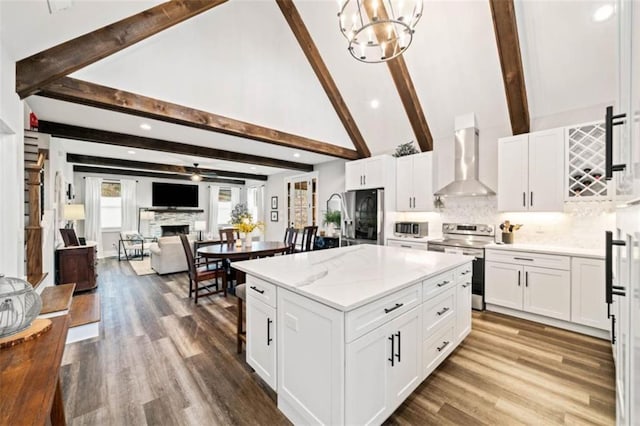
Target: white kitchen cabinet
[[463, 307], [531, 171], [382, 369], [261, 344], [547, 292], [414, 182], [373, 172], [408, 243], [588, 306], [503, 284], [541, 291]]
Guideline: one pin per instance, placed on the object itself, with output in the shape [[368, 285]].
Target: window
[[302, 201], [252, 202], [224, 206], [110, 205]]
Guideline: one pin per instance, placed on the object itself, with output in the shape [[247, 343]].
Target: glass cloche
[[19, 305]]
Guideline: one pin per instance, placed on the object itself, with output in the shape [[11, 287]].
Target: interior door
[[513, 174], [302, 202]]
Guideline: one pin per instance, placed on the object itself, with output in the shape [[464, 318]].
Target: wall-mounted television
[[174, 195]]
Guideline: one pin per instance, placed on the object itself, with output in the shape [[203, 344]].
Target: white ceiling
[[241, 60]]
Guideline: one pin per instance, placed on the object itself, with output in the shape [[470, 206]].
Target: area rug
[[142, 267]]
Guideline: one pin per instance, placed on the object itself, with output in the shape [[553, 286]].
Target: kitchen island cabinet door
[[463, 308], [404, 375], [261, 344], [503, 284], [513, 174], [547, 292], [366, 387], [588, 306]]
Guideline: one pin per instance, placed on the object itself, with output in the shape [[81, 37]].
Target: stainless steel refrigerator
[[363, 217]]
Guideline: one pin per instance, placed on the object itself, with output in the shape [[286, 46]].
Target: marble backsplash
[[582, 224]]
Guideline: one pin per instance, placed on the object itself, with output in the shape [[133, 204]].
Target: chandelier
[[378, 30]]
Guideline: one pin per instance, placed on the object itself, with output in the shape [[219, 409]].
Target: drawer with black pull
[[438, 284], [436, 348], [437, 311], [261, 290], [529, 259], [366, 318]]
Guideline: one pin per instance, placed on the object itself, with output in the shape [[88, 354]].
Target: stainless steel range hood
[[466, 182]]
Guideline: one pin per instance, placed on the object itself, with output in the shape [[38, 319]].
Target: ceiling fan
[[197, 174]]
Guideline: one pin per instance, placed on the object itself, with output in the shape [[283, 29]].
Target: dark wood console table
[[77, 265], [30, 378]]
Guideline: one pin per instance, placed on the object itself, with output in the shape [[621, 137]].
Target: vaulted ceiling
[[241, 60]]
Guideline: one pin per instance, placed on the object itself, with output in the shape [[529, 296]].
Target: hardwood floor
[[161, 360]]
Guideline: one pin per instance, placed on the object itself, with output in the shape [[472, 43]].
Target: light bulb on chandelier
[[378, 30]]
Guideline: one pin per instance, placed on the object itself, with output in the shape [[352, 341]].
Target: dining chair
[[229, 235], [290, 237], [200, 271], [241, 334], [308, 237]]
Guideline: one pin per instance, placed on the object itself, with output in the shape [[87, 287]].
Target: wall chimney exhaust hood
[[466, 182]]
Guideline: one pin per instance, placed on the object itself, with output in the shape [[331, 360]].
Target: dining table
[[231, 252]]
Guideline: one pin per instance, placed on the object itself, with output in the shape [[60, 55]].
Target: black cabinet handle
[[399, 347], [519, 273], [523, 258], [443, 283], [608, 264], [618, 290], [444, 345], [609, 122], [526, 279], [613, 329], [464, 273], [524, 199], [398, 305], [465, 285], [269, 339], [253, 287], [443, 311], [392, 338], [531, 201]]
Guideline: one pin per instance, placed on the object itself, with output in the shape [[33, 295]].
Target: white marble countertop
[[549, 249], [346, 278]]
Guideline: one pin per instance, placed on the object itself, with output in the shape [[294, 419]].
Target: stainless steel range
[[469, 239]]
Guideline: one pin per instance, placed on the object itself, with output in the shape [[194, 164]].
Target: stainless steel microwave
[[411, 229]]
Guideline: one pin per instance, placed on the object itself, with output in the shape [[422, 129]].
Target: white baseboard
[[578, 328], [83, 332]]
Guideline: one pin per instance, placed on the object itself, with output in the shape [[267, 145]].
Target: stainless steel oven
[[468, 239]]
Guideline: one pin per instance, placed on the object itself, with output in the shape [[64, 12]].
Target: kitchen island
[[345, 335]]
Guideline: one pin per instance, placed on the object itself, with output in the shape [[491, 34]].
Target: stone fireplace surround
[[168, 230], [171, 218]]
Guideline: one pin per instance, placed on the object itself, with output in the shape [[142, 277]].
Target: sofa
[[167, 255]]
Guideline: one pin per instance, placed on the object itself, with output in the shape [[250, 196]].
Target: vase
[[247, 239]]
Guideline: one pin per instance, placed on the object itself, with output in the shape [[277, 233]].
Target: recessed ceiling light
[[145, 126], [252, 167], [374, 103], [131, 152], [603, 13], [296, 154]]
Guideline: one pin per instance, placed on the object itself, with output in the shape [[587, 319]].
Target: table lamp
[[73, 212], [200, 225]]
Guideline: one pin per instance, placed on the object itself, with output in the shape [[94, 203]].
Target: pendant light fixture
[[378, 30]]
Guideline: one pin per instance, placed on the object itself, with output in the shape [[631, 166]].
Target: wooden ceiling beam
[[155, 175], [36, 71], [120, 139], [300, 31], [506, 31], [91, 94], [404, 86], [90, 160]]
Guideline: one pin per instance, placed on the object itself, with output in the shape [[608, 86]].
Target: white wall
[[11, 169]]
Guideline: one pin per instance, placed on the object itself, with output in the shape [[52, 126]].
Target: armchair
[[132, 244]]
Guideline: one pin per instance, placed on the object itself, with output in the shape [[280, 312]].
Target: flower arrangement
[[243, 220]]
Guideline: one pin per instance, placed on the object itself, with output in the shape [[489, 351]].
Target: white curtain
[[92, 193], [235, 196], [214, 194], [260, 205], [129, 205]]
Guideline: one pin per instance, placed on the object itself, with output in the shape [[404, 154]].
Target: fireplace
[[168, 230]]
